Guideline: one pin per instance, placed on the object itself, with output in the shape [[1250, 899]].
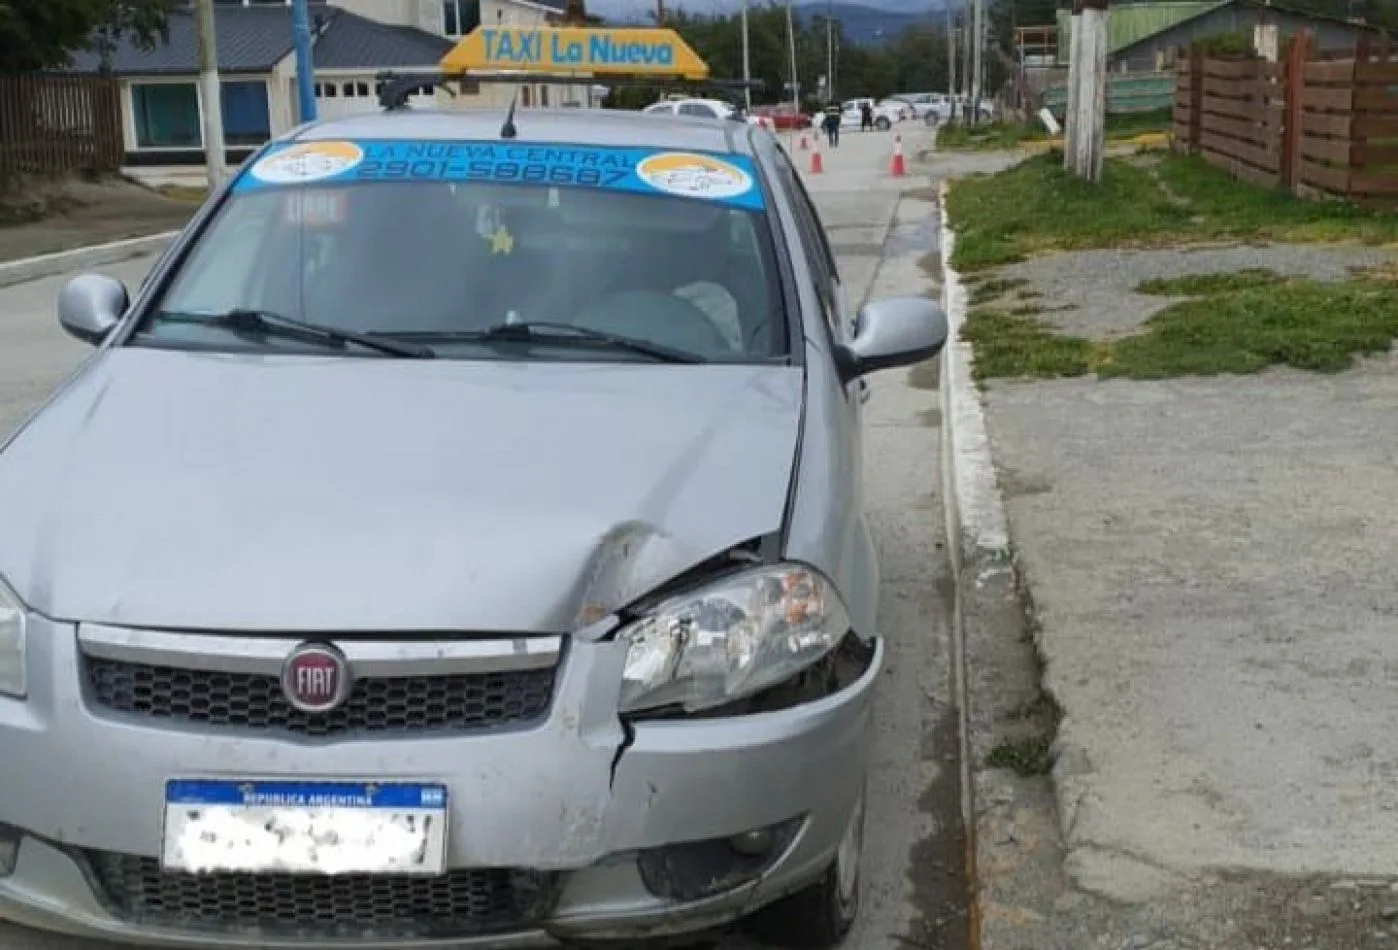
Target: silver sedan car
[[455, 541]]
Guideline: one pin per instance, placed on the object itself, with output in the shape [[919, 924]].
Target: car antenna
[[508, 130]]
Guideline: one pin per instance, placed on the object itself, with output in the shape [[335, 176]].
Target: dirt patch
[[42, 216]]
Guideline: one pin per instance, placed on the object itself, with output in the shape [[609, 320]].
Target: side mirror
[[90, 306], [898, 331]]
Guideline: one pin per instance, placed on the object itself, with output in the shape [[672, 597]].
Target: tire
[[820, 916], [882, 123]]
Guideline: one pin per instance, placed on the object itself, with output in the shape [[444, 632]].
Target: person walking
[[866, 117], [831, 124]]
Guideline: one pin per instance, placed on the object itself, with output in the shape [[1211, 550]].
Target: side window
[[816, 247], [696, 108]]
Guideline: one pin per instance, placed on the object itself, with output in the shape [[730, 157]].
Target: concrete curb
[[47, 265], [974, 506], [1010, 821]]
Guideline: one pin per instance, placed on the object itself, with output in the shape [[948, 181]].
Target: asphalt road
[[914, 886]]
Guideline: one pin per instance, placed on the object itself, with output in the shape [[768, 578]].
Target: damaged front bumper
[[659, 828]]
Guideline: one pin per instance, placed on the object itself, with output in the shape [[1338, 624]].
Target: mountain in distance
[[863, 24], [868, 23]]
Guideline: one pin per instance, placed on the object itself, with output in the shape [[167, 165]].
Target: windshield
[[629, 251]]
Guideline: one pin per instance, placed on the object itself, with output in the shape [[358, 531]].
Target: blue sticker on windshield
[[727, 179]]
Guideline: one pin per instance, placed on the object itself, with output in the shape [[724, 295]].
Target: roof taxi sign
[[641, 51]]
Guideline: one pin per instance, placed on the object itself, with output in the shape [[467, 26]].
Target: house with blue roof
[[352, 41]]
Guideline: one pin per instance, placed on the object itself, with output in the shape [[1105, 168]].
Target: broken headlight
[[731, 638], [12, 681]]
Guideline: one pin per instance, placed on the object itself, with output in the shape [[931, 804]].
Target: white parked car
[[930, 107], [700, 108], [887, 113]]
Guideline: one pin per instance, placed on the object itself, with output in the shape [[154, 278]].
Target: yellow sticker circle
[[693, 176], [309, 161]]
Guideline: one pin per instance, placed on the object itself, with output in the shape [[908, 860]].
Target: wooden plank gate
[[1316, 125]]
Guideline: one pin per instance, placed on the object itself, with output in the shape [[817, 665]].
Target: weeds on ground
[[1304, 324], [989, 290], [1009, 345], [1243, 327], [1000, 136], [988, 136], [1030, 755], [1025, 757], [1037, 206], [1198, 285]]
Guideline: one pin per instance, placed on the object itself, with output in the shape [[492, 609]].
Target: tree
[[40, 34], [914, 61]]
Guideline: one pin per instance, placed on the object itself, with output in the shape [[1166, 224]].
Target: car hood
[[288, 493]]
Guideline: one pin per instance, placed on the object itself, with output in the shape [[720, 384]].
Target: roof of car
[[572, 126]]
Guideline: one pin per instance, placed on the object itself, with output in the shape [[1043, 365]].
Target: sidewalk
[[1210, 564]]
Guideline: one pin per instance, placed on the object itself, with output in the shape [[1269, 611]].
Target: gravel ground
[[1209, 562], [1097, 288]]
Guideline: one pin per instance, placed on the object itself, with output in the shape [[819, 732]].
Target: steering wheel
[[657, 317]]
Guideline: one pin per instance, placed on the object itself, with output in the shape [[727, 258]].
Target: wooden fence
[[1318, 126], [58, 124]]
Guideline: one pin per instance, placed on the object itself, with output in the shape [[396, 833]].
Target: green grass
[[999, 136], [1304, 324], [989, 290], [1199, 285], [1243, 328], [1010, 345], [1128, 125], [1036, 207], [1025, 757], [988, 136]]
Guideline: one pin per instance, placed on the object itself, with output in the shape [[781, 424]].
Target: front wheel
[[882, 124], [819, 917]]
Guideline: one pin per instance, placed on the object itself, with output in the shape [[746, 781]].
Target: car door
[[839, 318], [837, 536]]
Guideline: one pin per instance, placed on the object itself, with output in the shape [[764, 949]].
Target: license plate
[[305, 828]]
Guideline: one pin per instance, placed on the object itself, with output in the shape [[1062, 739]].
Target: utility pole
[[791, 41], [210, 95], [659, 12], [747, 60], [951, 55], [1087, 72], [305, 71], [978, 60], [966, 45], [829, 51]]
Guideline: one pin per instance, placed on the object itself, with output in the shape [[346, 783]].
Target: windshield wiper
[[268, 323], [549, 332]]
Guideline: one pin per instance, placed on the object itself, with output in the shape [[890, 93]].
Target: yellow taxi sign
[[639, 51]]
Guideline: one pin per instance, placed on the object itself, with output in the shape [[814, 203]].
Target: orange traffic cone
[[804, 144], [816, 165], [897, 168]]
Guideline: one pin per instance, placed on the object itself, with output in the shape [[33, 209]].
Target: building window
[[460, 17], [166, 115], [246, 118]]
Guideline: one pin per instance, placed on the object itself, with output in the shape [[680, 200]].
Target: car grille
[[458, 904], [256, 701]]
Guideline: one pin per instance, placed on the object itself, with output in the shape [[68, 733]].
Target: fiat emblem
[[316, 678]]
